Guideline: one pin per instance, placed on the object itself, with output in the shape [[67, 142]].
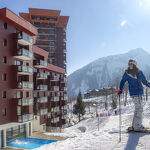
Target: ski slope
[[85, 135]]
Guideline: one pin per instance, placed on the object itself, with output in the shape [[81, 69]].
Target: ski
[[146, 130]]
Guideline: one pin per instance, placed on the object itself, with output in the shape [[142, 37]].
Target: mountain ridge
[[105, 70]]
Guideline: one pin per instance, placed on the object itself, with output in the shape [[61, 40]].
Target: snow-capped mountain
[[106, 71]]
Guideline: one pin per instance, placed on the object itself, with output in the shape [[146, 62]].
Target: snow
[[86, 136]]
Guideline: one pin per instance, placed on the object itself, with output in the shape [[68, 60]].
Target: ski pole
[[119, 119]]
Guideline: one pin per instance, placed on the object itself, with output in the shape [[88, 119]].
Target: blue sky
[[96, 28]]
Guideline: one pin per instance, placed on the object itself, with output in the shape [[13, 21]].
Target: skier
[[135, 77]]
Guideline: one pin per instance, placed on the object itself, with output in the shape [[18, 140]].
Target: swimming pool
[[28, 143]]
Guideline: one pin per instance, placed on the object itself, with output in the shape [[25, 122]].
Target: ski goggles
[[130, 64]]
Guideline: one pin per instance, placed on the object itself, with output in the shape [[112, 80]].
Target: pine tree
[[79, 107], [114, 98]]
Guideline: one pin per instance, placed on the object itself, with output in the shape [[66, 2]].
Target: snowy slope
[[85, 135], [105, 71]]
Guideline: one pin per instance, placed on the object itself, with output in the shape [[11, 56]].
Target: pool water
[[28, 143]]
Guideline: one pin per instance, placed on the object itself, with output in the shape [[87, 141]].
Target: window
[[5, 25], [27, 94], [17, 63], [5, 42], [52, 61], [3, 94], [44, 94], [38, 94], [18, 110], [19, 94], [4, 112], [52, 37], [52, 49], [4, 76], [52, 25], [4, 59], [49, 94], [52, 43], [52, 31], [35, 94]]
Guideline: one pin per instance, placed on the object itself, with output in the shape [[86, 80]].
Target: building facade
[[99, 92], [33, 91], [51, 33]]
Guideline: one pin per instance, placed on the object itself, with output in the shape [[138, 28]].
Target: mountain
[[106, 71]]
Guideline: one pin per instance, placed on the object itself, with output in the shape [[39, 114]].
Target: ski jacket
[[134, 83]]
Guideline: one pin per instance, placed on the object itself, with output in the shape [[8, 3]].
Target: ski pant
[[137, 118]]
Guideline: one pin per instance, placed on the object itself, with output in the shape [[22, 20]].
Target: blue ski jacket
[[134, 83]]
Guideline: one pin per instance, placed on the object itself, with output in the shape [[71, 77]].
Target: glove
[[119, 92]]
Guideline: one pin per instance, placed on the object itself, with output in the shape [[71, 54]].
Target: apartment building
[[50, 96], [33, 91], [51, 33]]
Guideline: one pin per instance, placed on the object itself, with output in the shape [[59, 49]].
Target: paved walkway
[[39, 135], [12, 149]]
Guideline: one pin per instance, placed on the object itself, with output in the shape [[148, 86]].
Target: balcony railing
[[24, 54], [25, 118], [62, 98], [46, 38], [25, 39], [25, 85], [64, 89], [56, 109], [64, 126], [55, 120], [25, 70], [42, 99], [40, 64], [49, 115], [45, 45], [25, 102], [47, 32], [64, 117], [65, 98], [43, 112], [55, 88], [55, 99], [42, 87], [44, 26], [42, 75], [64, 80], [64, 107], [43, 18], [54, 78]]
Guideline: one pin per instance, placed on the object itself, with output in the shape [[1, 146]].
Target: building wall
[[36, 125], [11, 83], [6, 68], [61, 47]]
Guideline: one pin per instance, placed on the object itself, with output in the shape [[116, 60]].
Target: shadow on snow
[[133, 140]]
